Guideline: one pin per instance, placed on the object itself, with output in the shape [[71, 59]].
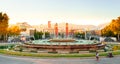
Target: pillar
[[66, 29], [56, 30], [49, 24]]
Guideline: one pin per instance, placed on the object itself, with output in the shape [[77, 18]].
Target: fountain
[[63, 45]]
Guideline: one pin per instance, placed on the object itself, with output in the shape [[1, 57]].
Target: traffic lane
[[13, 60]]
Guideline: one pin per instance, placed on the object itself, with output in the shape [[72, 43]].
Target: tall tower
[[66, 30], [56, 30], [49, 24]]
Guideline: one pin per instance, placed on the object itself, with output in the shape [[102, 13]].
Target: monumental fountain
[[63, 45]]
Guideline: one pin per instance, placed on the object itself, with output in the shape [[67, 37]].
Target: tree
[[115, 26], [107, 31], [3, 25], [112, 29], [79, 35], [47, 34], [13, 31], [38, 35]]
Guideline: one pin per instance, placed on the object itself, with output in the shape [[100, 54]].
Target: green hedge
[[6, 46]]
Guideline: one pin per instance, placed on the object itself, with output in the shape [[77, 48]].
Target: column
[[56, 30], [66, 30]]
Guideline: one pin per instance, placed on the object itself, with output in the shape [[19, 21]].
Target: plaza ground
[[5, 59]]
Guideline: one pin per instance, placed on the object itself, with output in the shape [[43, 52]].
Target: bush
[[9, 46]]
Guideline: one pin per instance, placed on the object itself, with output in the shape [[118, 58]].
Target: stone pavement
[[25, 60]]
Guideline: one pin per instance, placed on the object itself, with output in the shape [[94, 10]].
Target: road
[[5, 59]]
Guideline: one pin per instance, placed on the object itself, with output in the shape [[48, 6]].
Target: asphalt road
[[12, 60], [4, 59]]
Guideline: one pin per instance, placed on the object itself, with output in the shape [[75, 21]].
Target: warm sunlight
[[40, 11], [59, 31]]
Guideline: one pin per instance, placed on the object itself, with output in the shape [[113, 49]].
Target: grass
[[10, 52]]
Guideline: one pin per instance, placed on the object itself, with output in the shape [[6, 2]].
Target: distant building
[[26, 28]]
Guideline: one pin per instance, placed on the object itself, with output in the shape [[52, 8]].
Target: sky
[[83, 12]]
